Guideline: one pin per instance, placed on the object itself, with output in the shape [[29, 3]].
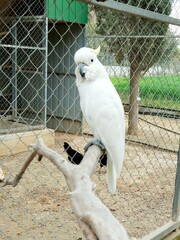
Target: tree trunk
[[135, 76]]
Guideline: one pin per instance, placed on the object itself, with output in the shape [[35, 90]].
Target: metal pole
[[45, 69], [14, 71], [176, 200], [128, 9]]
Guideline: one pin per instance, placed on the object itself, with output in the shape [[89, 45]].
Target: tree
[[138, 39], [171, 52]]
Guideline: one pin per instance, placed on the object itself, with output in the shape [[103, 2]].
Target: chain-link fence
[[38, 97]]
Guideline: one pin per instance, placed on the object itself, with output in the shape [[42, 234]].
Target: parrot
[[102, 108]]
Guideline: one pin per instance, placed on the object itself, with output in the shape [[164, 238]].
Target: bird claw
[[95, 142]]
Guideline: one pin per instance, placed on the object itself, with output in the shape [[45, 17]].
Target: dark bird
[[75, 157], [103, 160]]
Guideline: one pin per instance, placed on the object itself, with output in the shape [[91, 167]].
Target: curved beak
[[81, 69]]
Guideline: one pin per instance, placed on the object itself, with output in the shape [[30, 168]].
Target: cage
[[34, 82]]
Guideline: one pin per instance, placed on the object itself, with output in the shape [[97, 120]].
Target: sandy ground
[[39, 208]]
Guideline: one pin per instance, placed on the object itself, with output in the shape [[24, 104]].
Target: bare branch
[[94, 218], [1, 175], [61, 163], [18, 177]]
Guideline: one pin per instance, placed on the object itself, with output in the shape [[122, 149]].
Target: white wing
[[112, 134], [103, 110]]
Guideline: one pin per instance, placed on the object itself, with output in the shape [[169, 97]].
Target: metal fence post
[[45, 45], [14, 70], [176, 200]]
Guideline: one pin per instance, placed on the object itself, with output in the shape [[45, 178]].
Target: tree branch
[[18, 176], [94, 218]]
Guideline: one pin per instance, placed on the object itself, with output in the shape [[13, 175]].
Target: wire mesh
[[38, 93]]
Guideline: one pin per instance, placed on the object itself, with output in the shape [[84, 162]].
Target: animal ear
[[96, 51]]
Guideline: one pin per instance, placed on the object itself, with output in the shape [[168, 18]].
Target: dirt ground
[[39, 208]]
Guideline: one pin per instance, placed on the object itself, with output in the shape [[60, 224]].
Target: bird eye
[[92, 60]]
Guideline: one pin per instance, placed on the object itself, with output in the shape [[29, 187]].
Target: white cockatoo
[[102, 108]]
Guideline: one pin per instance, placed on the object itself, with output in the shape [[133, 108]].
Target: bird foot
[[95, 142]]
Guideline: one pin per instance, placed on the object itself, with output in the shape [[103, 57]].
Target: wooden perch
[[17, 178], [1, 175], [94, 218]]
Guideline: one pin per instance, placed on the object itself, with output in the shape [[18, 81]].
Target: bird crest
[[96, 51]]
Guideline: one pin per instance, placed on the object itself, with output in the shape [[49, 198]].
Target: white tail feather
[[111, 177]]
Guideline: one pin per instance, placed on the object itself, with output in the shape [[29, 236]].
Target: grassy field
[[155, 91]]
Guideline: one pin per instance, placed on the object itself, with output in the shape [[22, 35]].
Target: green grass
[[155, 91]]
